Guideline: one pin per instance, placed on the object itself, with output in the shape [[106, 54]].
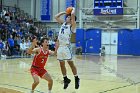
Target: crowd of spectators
[[16, 29]]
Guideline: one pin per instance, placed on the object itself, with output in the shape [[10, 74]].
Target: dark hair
[[42, 40], [103, 47], [70, 15], [32, 38]]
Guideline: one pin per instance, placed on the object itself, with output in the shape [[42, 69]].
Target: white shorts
[[64, 53]]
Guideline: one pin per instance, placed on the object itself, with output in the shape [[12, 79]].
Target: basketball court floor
[[109, 74]]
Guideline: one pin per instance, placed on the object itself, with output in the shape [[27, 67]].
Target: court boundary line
[[120, 87], [116, 88], [110, 70], [118, 75], [20, 87]]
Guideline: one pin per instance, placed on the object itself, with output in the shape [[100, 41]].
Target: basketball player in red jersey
[[39, 61]]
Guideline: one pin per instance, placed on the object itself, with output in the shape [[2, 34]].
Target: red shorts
[[37, 71]]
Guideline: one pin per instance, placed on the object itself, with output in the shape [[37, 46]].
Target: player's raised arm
[[73, 20], [58, 19], [32, 49]]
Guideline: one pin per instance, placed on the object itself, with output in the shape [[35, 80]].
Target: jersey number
[[62, 31]]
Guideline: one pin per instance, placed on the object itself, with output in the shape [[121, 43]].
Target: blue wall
[[80, 39], [89, 39], [128, 41], [136, 42], [93, 40], [124, 42]]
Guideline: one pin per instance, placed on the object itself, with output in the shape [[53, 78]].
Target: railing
[[126, 10]]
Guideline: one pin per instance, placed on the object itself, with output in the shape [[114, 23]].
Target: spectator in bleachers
[[7, 17], [17, 50], [11, 44], [7, 49], [79, 49], [23, 48], [14, 33], [17, 40], [1, 47], [19, 33], [1, 44], [50, 33], [16, 25], [4, 11], [27, 43], [51, 44]]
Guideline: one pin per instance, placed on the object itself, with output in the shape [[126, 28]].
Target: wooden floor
[[110, 74]]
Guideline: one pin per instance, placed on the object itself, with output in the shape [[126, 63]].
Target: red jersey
[[41, 58]]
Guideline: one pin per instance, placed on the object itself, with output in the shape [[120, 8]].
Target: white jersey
[[64, 34]]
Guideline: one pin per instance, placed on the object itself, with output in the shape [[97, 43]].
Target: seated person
[[79, 49], [102, 51]]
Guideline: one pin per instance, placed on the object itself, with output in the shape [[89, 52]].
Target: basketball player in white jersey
[[63, 46]]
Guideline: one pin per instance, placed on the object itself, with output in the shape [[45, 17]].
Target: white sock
[[49, 91], [32, 91], [65, 76]]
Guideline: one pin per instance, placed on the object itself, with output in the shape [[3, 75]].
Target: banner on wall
[[45, 10], [70, 3], [108, 11]]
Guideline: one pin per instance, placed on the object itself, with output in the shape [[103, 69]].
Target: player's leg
[[63, 68], [74, 70], [47, 77], [68, 54], [36, 82], [72, 66], [61, 56], [64, 73]]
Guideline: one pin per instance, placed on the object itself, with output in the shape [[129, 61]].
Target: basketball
[[69, 10]]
